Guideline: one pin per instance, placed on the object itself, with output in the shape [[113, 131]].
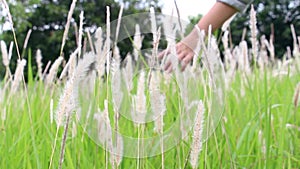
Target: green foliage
[[259, 103], [274, 17], [47, 19], [193, 21]]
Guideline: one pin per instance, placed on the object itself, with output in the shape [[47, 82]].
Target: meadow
[[104, 112]]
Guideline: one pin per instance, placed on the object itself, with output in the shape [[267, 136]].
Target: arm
[[217, 15]]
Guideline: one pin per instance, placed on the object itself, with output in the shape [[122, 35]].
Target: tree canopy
[[47, 19], [274, 17]]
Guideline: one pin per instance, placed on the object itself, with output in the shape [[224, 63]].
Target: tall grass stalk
[[80, 33], [253, 28], [26, 42], [5, 60], [38, 58], [259, 129], [66, 31], [107, 54], [196, 146]]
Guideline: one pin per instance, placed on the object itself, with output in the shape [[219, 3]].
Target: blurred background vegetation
[[47, 19]]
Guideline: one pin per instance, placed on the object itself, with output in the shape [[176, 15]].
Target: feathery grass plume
[[104, 127], [253, 28], [292, 126], [117, 94], [137, 42], [296, 95], [119, 23], [196, 146], [27, 39], [46, 68], [270, 46], [288, 53], [211, 55], [116, 86], [263, 54], [84, 46], [68, 101], [173, 59], [169, 30], [6, 58], [76, 31], [53, 71], [153, 59], [66, 31], [233, 61], [244, 59], [156, 37], [200, 35], [71, 65], [170, 33], [139, 101], [100, 53], [139, 113], [6, 7], [229, 61], [157, 101], [80, 33], [153, 24], [38, 58], [90, 41], [158, 107], [11, 46], [89, 81], [98, 42], [128, 72], [18, 75], [227, 23], [107, 42], [296, 49]]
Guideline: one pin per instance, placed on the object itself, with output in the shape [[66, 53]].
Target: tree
[[274, 17], [47, 20]]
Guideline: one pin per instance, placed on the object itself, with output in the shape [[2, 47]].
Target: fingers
[[170, 69], [168, 65], [186, 61], [184, 55], [164, 53]]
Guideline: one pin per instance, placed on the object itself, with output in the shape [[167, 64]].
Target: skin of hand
[[216, 16]]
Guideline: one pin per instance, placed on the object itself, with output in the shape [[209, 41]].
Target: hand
[[185, 49], [184, 53]]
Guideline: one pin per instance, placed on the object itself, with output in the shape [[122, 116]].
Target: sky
[[187, 7]]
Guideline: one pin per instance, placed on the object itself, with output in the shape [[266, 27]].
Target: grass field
[[259, 126]]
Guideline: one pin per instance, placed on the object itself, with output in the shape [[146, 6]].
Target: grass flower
[[196, 146]]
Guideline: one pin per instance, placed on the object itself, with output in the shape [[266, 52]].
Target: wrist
[[193, 39]]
